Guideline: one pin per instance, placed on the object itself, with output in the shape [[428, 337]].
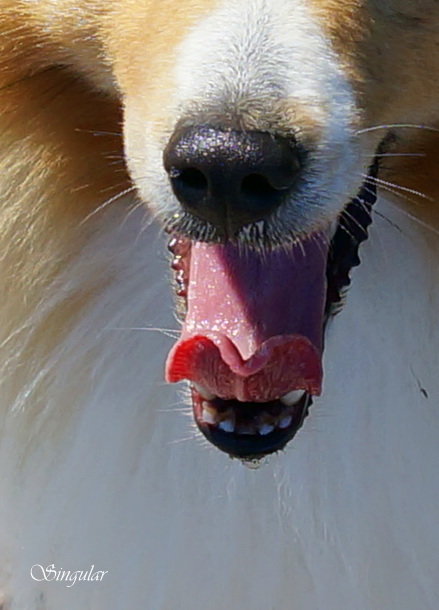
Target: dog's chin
[[253, 328], [250, 430]]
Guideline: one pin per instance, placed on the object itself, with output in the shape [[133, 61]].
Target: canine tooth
[[285, 421], [208, 417], [291, 398], [204, 393], [265, 429], [227, 425]]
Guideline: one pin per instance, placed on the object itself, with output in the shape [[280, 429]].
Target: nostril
[[256, 186], [230, 178], [190, 186], [190, 178]]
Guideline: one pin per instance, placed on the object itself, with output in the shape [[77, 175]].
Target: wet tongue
[[254, 325]]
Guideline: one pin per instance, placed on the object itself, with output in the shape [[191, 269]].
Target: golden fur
[[48, 49], [66, 71]]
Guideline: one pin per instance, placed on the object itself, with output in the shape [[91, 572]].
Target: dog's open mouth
[[252, 338]]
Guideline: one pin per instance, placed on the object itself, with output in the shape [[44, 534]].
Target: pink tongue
[[254, 325]]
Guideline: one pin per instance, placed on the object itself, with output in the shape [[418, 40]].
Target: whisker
[[402, 211], [99, 133], [133, 208], [108, 202], [367, 208], [397, 194], [382, 182], [351, 218], [111, 187], [183, 440], [184, 410], [183, 403], [168, 332], [390, 222], [372, 211], [345, 230], [397, 155]]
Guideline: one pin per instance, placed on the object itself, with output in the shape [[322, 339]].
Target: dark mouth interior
[[248, 430], [253, 430]]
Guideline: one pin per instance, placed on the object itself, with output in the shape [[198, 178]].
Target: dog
[[254, 137]]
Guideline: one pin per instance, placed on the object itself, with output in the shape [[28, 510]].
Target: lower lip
[[250, 445]]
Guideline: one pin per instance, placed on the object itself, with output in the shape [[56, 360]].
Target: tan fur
[[58, 92], [54, 172], [96, 38], [389, 49], [66, 70]]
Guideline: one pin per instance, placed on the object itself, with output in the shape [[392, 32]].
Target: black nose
[[230, 178]]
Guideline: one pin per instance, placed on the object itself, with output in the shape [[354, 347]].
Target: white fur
[[235, 67], [94, 469], [345, 517]]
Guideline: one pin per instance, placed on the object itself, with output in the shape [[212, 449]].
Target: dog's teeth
[[203, 392], [265, 429], [291, 398], [227, 425], [208, 417], [285, 421]]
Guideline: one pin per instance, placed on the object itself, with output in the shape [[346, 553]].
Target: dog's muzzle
[[253, 331]]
